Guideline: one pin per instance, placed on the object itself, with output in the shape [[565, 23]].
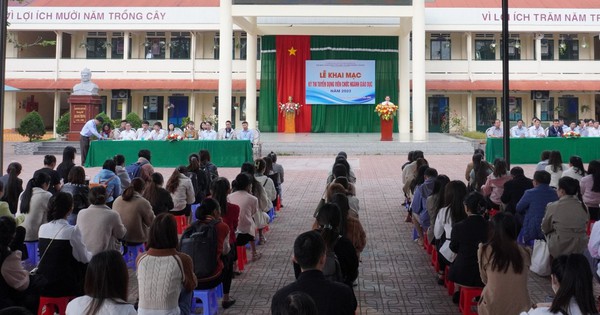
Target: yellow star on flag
[[292, 51]]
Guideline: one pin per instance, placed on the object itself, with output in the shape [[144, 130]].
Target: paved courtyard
[[395, 274]]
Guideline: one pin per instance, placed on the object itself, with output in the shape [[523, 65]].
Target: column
[[126, 45], [418, 71], [469, 53], [404, 76], [59, 41], [225, 61], [470, 112], [56, 111], [538, 52], [124, 109], [193, 55], [192, 107], [251, 42]]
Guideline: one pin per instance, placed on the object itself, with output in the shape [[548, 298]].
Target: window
[[153, 107], [547, 109], [258, 43], [243, 47], [568, 106], [515, 108], [180, 45], [118, 100], [485, 112], [547, 49], [155, 45], [118, 46], [514, 49], [95, 47], [440, 47], [568, 48], [485, 49], [216, 43]]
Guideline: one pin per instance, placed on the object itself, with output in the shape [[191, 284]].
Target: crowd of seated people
[[557, 128]]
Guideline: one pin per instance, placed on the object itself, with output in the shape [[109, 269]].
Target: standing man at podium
[[88, 130]]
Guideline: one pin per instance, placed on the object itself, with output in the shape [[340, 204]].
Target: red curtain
[[292, 53]]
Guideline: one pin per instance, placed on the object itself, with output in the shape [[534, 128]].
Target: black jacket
[[466, 236], [331, 298], [514, 190]]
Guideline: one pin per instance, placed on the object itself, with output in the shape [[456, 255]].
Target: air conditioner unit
[[540, 95]]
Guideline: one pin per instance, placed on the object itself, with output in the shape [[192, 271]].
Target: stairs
[[56, 147]]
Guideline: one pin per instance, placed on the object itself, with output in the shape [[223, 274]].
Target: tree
[[134, 120], [32, 126], [63, 124]]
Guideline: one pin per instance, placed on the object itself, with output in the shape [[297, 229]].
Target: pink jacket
[[590, 198], [494, 187]]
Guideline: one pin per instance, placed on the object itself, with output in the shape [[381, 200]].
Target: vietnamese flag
[[291, 54]]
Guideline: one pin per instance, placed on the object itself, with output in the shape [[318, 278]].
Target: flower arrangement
[[174, 137], [571, 134], [289, 107], [386, 111]]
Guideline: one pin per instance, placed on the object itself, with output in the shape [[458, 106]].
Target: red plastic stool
[[434, 260], [48, 305], [425, 240], [242, 259], [278, 206], [181, 221], [449, 284], [467, 296]]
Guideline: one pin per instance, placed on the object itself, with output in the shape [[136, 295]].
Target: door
[[438, 114], [178, 109], [485, 112]]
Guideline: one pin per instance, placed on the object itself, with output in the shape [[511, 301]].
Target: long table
[[223, 153], [528, 150]]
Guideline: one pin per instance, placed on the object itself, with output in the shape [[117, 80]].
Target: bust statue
[[86, 86]]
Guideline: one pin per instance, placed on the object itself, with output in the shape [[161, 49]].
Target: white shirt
[[64, 231], [593, 132], [160, 135], [441, 225], [536, 132], [142, 134], [517, 132], [89, 129], [127, 135], [573, 309], [109, 307], [224, 135], [494, 132], [246, 135], [209, 135]]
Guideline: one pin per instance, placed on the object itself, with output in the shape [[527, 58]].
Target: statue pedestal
[[290, 122], [82, 108]]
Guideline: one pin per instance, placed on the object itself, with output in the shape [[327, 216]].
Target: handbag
[[33, 271], [540, 258], [447, 252]]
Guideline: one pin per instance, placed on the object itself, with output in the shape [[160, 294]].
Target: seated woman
[[350, 226], [79, 190], [162, 271], [590, 189], [63, 255], [106, 284], [135, 212], [572, 284], [109, 178], [121, 171], [555, 167], [435, 202], [481, 170], [464, 241], [182, 192], [565, 222], [494, 185], [264, 204], [576, 169], [504, 268], [172, 130], [241, 196], [160, 199], [33, 205]]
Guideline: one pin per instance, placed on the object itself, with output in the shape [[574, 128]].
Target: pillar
[[404, 76], [56, 111], [225, 61], [59, 43], [538, 52], [126, 45], [124, 109], [193, 56], [192, 107], [418, 71], [469, 53], [470, 112], [251, 42]]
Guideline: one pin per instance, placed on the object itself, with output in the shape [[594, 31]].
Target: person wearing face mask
[[572, 283]]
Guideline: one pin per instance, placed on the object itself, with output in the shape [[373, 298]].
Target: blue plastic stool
[[271, 214], [131, 255], [209, 301], [32, 253], [220, 291], [194, 208]]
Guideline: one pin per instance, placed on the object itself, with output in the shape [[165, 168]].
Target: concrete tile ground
[[395, 274]]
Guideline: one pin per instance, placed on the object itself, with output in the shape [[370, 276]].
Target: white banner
[[347, 82], [517, 16]]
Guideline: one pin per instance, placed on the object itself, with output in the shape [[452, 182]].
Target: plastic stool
[[271, 214], [209, 301], [430, 248], [48, 304], [242, 259], [181, 221], [449, 284], [131, 255], [194, 208], [32, 254], [220, 291], [425, 240], [278, 206], [434, 260], [467, 295]]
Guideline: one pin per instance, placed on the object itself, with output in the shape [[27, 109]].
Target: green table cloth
[[223, 153], [528, 150]]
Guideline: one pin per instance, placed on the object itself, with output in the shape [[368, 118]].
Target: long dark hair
[[577, 164], [505, 250], [77, 175], [250, 169], [13, 188], [137, 185], [454, 196], [420, 178], [500, 168], [106, 278], [594, 170], [69, 155], [194, 162], [329, 219], [219, 189], [173, 181], [571, 187], [59, 206], [439, 189], [36, 182], [480, 169], [207, 208], [555, 161], [475, 202], [163, 232], [575, 278], [8, 228], [151, 191], [341, 200]]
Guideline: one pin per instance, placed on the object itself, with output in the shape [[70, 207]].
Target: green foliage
[[184, 122], [475, 135], [134, 120], [63, 124], [32, 126]]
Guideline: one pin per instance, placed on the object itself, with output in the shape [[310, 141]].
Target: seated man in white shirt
[[157, 132], [117, 132], [536, 131], [143, 133], [572, 127], [519, 131], [209, 133], [227, 133], [581, 128], [495, 131], [594, 130], [246, 134], [128, 133]]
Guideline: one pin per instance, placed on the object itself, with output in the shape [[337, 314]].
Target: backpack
[[332, 269], [200, 243], [135, 170], [201, 184]]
